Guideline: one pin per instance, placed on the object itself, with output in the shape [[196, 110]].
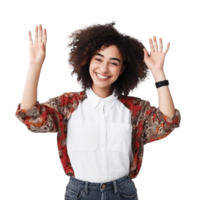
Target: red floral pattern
[[149, 125]]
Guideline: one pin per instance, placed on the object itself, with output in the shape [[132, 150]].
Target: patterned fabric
[[148, 124]]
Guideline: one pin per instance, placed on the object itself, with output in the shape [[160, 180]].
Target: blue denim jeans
[[119, 189]]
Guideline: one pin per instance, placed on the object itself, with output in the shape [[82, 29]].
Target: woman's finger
[[151, 45], [45, 36], [40, 33], [29, 36], [155, 43], [167, 48], [160, 45]]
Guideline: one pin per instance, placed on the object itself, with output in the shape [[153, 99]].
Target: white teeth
[[100, 76]]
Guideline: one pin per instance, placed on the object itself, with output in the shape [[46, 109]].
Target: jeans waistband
[[99, 186]]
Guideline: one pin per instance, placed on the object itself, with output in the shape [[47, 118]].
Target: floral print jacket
[[149, 125]]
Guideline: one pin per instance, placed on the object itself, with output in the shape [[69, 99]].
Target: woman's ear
[[123, 67]]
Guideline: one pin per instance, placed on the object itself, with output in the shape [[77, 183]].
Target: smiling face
[[107, 63]]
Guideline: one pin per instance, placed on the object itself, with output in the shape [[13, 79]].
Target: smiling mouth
[[102, 79]]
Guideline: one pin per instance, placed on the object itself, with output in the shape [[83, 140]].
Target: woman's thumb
[[145, 54]]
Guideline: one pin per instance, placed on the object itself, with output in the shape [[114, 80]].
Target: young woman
[[101, 131]]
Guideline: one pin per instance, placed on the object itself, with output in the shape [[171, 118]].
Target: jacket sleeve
[[42, 117], [154, 124]]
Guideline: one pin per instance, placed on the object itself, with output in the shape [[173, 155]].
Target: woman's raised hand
[[37, 50]]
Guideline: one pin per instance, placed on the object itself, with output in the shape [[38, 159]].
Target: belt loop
[[115, 186], [86, 187]]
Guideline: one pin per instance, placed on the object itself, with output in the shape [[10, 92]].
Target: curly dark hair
[[85, 42]]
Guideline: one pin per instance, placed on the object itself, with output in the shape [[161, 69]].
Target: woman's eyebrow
[[110, 58]]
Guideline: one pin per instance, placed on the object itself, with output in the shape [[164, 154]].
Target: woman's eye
[[100, 60]]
